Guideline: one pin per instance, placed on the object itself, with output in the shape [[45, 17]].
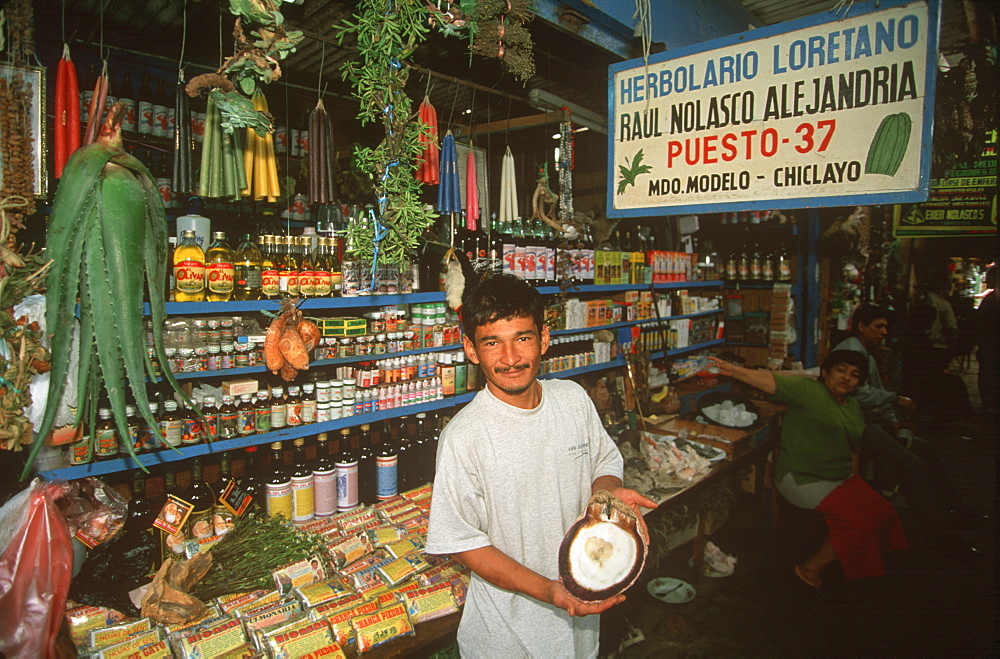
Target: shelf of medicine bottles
[[620, 361], [612, 288], [309, 303], [218, 447], [631, 323], [260, 368]]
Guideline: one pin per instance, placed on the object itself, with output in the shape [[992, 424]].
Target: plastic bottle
[[195, 221], [171, 426], [219, 269], [247, 268], [189, 269]]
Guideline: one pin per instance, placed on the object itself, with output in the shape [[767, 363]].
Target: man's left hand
[[634, 500]]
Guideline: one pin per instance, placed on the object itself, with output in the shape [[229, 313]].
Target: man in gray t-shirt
[[515, 469]]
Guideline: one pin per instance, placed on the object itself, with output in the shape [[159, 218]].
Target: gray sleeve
[[870, 397], [458, 509]]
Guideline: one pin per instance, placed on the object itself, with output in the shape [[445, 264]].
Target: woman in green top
[[817, 464]]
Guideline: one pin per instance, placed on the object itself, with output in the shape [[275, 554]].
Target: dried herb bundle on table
[[248, 555]]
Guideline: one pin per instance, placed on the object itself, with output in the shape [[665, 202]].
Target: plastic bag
[[94, 511], [36, 566]]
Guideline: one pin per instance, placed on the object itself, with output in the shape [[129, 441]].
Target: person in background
[[515, 469], [817, 465], [985, 319], [911, 462]]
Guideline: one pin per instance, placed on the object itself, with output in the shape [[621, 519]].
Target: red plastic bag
[[36, 566]]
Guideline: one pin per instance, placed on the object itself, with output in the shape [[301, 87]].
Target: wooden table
[[769, 426]]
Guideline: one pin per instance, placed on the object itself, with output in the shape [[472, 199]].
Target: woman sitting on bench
[[817, 465]]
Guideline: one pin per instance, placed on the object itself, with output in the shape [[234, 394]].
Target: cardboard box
[[345, 326], [734, 442], [240, 387]]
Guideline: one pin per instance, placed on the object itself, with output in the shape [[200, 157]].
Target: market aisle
[[935, 600]]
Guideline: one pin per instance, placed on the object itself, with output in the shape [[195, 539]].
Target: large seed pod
[[603, 553]]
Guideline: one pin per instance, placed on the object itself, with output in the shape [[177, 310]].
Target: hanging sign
[[962, 203], [834, 109]]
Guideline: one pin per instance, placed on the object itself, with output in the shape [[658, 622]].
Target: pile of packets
[[373, 586]]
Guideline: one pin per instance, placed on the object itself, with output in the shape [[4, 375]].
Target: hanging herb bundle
[[501, 33], [255, 62], [387, 32]]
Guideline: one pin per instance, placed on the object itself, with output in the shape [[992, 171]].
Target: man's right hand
[[559, 596], [906, 403]]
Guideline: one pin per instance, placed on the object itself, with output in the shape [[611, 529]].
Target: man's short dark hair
[[849, 357], [867, 314], [501, 297]]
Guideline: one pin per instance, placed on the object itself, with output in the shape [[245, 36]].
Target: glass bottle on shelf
[[321, 281], [270, 279], [262, 412], [251, 482], [279, 485], [334, 266], [783, 266], [171, 425], [767, 265], [228, 418], [246, 416], [347, 474], [307, 267], [223, 518], [171, 545], [303, 502], [247, 267], [199, 494], [293, 406], [755, 268], [105, 436], [324, 479], [362, 442], [191, 426], [386, 469], [278, 408], [210, 424]]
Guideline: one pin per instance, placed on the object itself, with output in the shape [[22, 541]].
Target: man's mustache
[[508, 369]]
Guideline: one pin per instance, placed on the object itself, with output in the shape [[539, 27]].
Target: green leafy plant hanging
[[387, 32], [255, 62]]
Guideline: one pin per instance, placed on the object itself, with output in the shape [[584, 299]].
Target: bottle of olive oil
[[189, 269]]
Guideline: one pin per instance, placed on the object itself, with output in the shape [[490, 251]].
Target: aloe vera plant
[[107, 235]]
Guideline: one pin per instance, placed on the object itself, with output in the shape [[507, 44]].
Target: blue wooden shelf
[[216, 448], [261, 368], [632, 323]]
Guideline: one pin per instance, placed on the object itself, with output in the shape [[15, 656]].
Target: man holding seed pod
[[515, 468]]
